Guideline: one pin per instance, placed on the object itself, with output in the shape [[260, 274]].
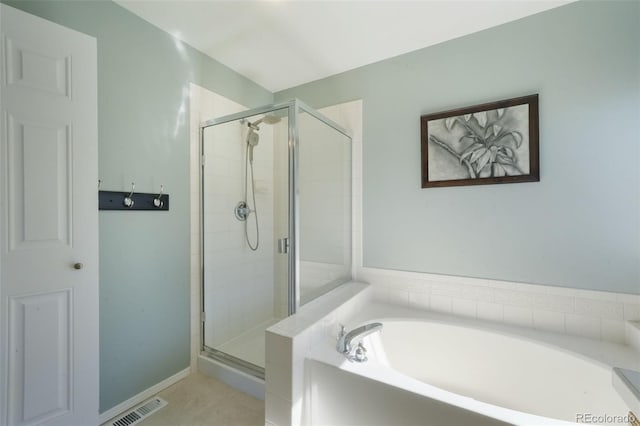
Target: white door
[[48, 223]]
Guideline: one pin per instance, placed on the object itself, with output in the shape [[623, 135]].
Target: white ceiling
[[280, 44]]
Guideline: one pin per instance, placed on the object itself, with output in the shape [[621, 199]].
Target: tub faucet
[[347, 340]]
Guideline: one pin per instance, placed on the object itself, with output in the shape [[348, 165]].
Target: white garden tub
[[438, 371]]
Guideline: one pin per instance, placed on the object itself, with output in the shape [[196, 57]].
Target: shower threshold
[[245, 351]]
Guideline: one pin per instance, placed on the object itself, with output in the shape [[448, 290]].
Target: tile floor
[[200, 400]]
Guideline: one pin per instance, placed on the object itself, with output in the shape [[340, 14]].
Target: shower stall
[[275, 221]]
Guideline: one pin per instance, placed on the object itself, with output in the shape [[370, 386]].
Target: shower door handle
[[283, 245]]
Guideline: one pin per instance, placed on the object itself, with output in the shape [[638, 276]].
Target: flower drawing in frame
[[483, 144]]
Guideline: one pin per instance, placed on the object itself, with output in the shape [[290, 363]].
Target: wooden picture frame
[[483, 144]]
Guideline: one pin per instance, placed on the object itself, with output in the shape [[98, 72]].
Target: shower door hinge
[[203, 316]]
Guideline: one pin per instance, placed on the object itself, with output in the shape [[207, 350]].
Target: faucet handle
[[360, 353], [340, 340]]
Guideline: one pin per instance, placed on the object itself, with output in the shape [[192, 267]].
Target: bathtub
[[429, 369]]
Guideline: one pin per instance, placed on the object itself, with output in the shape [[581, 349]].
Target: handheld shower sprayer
[[253, 137], [252, 141], [243, 208]]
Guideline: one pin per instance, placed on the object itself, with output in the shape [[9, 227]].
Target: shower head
[[267, 119], [271, 119]]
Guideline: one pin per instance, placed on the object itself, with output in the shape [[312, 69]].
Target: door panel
[[39, 364], [48, 223], [36, 70], [38, 184]]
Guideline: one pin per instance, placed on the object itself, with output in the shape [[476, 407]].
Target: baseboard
[[142, 396]]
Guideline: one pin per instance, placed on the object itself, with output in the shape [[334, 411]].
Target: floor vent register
[[139, 413]]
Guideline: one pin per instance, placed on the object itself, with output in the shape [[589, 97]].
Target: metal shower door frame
[[294, 107]]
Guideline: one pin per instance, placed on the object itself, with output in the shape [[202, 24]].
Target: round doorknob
[[78, 265]]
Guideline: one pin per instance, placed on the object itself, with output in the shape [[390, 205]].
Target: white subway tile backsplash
[[538, 306], [530, 288], [632, 311], [464, 308], [379, 293], [556, 303], [583, 325], [397, 283], [416, 285], [398, 297], [447, 289], [596, 295], [548, 321], [614, 330], [490, 311], [442, 304], [600, 308], [560, 291], [514, 297], [518, 315], [628, 298], [485, 293], [419, 300]]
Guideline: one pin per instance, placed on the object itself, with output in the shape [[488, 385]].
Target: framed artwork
[[491, 143]]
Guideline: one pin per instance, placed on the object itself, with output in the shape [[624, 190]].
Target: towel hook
[[128, 201], [157, 202]]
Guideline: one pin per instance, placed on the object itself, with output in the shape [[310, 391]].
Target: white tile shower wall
[[321, 182], [238, 281], [349, 116], [317, 274], [592, 314]]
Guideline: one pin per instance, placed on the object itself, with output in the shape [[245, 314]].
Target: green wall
[[143, 107], [580, 225]]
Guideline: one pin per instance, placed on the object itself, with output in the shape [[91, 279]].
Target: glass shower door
[[245, 213], [324, 184]]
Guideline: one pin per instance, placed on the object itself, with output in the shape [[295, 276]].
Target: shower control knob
[[242, 211]]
